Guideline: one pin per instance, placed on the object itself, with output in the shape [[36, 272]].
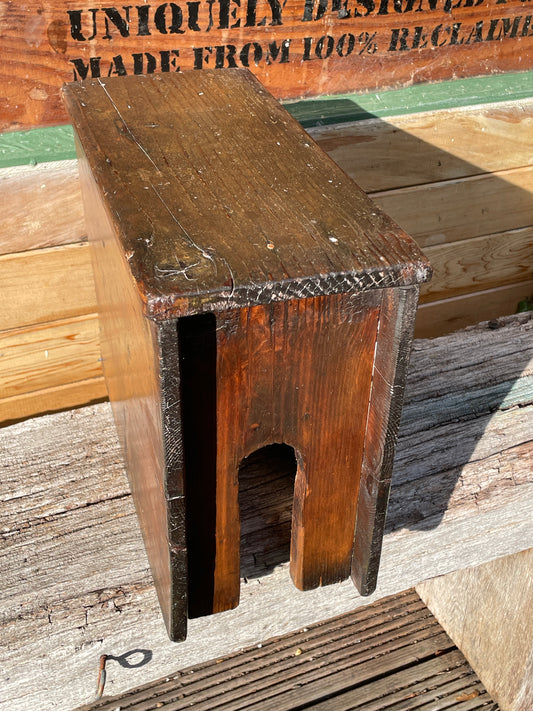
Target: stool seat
[[250, 293], [226, 201]]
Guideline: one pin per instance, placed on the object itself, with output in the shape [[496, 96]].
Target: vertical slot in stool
[[250, 293]]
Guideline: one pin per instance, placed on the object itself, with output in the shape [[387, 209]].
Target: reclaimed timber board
[[49, 355], [72, 393], [46, 285], [387, 652], [413, 99], [297, 48], [479, 263], [44, 361], [41, 207], [439, 318], [487, 612], [431, 147], [56, 143], [76, 582], [458, 209]]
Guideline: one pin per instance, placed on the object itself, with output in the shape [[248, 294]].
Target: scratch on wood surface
[[128, 129]]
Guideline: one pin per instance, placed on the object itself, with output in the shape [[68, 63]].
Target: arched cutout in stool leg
[[266, 493]]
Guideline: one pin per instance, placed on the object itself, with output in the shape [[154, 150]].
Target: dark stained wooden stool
[[250, 294]]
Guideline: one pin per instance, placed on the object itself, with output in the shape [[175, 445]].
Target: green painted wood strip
[[40, 145], [413, 99], [57, 142]]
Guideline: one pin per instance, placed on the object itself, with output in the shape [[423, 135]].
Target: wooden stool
[[250, 294]]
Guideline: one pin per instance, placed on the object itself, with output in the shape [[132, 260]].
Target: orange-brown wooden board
[[297, 48]]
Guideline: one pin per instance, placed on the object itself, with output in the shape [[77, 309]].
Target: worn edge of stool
[[374, 252], [140, 359], [388, 386]]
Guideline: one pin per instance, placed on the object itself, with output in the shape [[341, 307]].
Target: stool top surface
[[221, 200]]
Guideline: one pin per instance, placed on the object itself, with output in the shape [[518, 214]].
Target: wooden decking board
[[383, 662], [408, 662], [283, 689], [396, 688], [335, 630], [317, 660], [397, 607]]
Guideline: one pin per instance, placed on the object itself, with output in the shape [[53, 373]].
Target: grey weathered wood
[[487, 610], [75, 578]]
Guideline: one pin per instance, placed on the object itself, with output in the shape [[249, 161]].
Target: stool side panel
[[385, 407], [222, 200], [134, 372], [298, 373]]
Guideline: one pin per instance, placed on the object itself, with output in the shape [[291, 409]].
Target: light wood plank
[[41, 206], [76, 581], [46, 285], [487, 612], [479, 264], [49, 355], [438, 318], [462, 208], [61, 397], [381, 154]]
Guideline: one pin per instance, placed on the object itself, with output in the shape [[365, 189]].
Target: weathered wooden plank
[[479, 264], [458, 367], [431, 147], [458, 209], [75, 577], [487, 611], [438, 318], [46, 285], [297, 49], [48, 355], [41, 206]]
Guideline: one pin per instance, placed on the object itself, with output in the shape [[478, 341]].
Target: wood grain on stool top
[[222, 200]]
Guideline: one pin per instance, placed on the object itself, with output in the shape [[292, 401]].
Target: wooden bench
[[278, 313]]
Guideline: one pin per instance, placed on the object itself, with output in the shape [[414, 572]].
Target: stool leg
[[392, 357], [141, 366], [297, 372]]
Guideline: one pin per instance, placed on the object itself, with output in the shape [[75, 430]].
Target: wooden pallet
[[390, 655]]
